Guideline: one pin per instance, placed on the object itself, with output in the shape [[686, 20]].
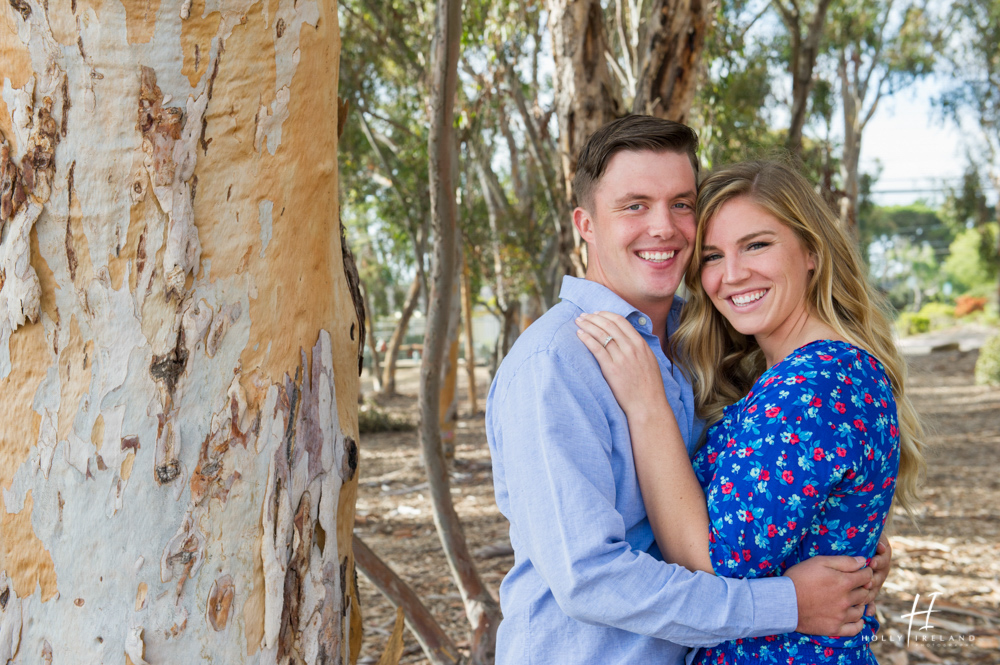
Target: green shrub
[[913, 323], [988, 364], [372, 420], [937, 310]]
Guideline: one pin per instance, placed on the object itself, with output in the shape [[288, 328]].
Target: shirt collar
[[593, 297]]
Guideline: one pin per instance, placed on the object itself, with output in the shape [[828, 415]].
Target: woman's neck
[[779, 345]]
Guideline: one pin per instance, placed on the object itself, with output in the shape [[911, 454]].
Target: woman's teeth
[[747, 298]]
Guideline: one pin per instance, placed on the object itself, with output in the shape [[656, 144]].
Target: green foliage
[[372, 420], [733, 102], [988, 363], [916, 223], [966, 267], [973, 71], [913, 323]]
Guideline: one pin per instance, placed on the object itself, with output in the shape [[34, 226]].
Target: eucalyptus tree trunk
[[178, 341], [481, 609], [586, 97], [372, 343], [670, 55], [470, 347], [804, 34], [388, 388]]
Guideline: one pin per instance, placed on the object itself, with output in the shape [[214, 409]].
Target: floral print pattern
[[804, 465]]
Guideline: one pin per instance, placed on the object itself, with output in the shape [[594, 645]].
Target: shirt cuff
[[775, 609]]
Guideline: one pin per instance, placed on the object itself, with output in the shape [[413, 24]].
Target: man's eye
[[635, 207], [683, 205]]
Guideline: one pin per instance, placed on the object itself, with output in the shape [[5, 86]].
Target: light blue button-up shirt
[[589, 585]]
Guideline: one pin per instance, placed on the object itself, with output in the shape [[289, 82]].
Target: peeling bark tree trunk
[[671, 57], [805, 35], [178, 341], [396, 341], [586, 98], [481, 609]]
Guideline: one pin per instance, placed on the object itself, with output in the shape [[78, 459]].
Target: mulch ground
[[950, 558]]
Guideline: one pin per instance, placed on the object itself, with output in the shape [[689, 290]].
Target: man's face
[[641, 229]]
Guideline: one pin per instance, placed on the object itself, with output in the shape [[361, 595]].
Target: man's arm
[[554, 441]]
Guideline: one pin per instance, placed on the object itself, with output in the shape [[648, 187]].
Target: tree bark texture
[[482, 611], [178, 341], [671, 57], [586, 97]]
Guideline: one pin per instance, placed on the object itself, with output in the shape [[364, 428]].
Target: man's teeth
[[747, 298], [656, 256]]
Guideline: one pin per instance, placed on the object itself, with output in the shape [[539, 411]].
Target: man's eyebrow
[[637, 196], [630, 196], [749, 236]]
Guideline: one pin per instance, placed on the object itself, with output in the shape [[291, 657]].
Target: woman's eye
[[710, 257], [757, 245]]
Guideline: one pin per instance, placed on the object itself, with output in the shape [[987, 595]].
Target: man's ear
[[584, 224]]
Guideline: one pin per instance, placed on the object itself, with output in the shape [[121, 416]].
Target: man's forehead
[[656, 174]]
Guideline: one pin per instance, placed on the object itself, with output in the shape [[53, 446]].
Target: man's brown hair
[[633, 132]]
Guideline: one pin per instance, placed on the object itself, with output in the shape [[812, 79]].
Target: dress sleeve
[[801, 434]]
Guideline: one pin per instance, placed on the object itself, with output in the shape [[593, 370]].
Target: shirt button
[[642, 320]]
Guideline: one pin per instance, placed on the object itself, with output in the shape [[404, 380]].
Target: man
[[588, 583]]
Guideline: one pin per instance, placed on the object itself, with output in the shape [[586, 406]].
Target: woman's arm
[[674, 500]]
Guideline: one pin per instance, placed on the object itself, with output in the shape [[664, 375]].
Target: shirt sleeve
[[793, 445], [554, 442]]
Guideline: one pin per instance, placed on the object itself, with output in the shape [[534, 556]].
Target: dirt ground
[[951, 558]]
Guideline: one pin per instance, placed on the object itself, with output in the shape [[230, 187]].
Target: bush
[[988, 364], [372, 420], [939, 313], [913, 323]]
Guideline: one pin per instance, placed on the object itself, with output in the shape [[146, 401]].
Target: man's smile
[[656, 257]]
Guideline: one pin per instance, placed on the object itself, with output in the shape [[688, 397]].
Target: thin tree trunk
[[480, 608], [671, 57], [372, 344], [396, 341], [437, 646], [449, 370], [178, 339], [470, 347]]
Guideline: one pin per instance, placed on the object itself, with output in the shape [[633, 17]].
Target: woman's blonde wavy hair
[[724, 364]]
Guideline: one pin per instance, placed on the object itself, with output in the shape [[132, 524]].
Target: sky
[[918, 151]]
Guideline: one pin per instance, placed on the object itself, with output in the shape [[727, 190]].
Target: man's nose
[[662, 224]]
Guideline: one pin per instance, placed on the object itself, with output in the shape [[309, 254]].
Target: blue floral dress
[[805, 464]]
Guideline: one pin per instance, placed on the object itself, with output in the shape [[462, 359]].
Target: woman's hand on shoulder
[[628, 364]]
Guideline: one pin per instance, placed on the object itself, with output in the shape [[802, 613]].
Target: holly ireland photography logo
[[921, 629]]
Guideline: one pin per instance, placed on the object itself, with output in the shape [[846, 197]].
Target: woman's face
[[756, 272]]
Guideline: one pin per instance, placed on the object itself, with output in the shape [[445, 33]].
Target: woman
[[795, 371]]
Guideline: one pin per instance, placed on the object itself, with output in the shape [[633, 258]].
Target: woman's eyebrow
[[749, 236]]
